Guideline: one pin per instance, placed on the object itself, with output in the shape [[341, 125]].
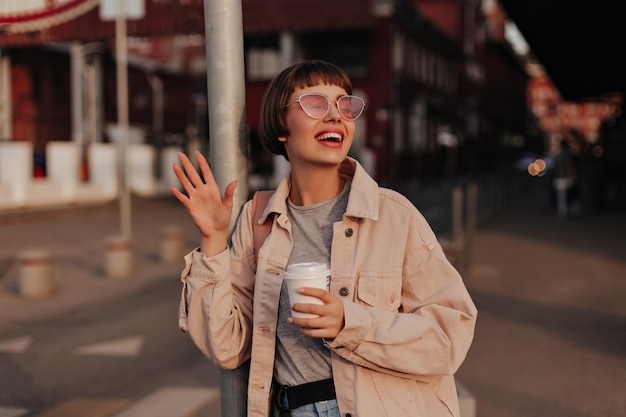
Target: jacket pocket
[[380, 290], [407, 397]]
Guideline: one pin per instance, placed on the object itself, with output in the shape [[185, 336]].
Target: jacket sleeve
[[216, 300], [430, 332]]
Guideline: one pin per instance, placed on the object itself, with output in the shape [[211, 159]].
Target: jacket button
[[349, 232], [344, 291]]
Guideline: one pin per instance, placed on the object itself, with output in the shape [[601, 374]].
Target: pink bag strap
[[260, 231]]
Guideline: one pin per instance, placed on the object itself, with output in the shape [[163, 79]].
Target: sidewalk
[[551, 333], [76, 239]]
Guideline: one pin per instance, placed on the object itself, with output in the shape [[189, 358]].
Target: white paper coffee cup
[[307, 274]]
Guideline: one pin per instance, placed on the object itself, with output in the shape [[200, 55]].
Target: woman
[[397, 320]]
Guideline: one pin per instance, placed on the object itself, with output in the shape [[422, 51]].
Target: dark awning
[[581, 44]]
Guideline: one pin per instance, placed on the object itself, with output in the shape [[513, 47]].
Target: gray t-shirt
[[301, 359]]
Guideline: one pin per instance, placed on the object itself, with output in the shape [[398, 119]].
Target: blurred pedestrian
[[613, 140], [575, 196], [397, 321], [563, 178]]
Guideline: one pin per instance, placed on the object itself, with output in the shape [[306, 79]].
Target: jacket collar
[[363, 201]]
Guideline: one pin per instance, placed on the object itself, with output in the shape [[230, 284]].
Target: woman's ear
[[282, 138]]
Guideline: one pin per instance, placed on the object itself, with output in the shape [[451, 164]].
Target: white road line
[[82, 407], [170, 402], [12, 412], [126, 347], [17, 345]]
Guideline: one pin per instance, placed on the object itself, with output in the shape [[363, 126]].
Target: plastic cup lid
[[307, 269]]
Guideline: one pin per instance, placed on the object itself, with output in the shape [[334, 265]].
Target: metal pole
[[6, 120], [77, 54], [156, 84], [457, 213], [98, 99], [287, 57], [122, 118], [227, 136], [472, 222], [226, 93], [458, 237], [78, 104]]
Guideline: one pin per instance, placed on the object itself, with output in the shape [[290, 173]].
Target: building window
[[417, 126], [263, 64], [262, 57]]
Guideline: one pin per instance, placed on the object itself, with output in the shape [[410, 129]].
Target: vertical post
[[121, 52], [227, 136], [6, 121], [93, 87], [158, 103], [226, 93], [78, 103], [472, 222], [98, 99], [287, 57], [458, 236], [457, 213]]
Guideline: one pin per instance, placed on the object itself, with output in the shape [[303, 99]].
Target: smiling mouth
[[332, 137]]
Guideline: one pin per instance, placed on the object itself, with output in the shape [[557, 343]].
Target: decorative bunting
[[21, 17]]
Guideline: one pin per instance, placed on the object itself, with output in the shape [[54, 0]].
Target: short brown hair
[[300, 75]]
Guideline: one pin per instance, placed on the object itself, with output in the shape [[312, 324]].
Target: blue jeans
[[327, 408]]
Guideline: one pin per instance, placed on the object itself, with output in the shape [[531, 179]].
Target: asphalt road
[[550, 339], [124, 348]]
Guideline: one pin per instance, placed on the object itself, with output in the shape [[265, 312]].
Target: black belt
[[308, 393]]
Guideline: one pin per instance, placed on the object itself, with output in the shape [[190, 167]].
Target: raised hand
[[210, 211]]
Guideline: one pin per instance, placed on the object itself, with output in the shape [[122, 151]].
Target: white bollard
[[118, 258], [16, 169], [63, 165], [36, 279], [103, 168], [140, 169], [172, 245]]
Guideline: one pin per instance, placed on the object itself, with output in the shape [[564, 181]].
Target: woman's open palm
[[203, 199]]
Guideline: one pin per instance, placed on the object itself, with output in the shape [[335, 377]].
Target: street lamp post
[[121, 51], [227, 136]]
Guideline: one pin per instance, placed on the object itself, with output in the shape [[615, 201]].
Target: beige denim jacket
[[409, 320]]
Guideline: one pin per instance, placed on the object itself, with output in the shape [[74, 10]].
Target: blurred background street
[[550, 339], [551, 334], [502, 120]]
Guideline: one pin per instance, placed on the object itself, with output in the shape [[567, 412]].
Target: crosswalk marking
[[171, 402], [126, 347], [12, 412], [17, 345], [82, 407]]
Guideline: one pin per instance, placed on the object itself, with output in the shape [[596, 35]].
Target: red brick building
[[421, 65], [424, 67]]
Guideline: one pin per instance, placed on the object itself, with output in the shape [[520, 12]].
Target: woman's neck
[[312, 186]]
